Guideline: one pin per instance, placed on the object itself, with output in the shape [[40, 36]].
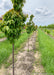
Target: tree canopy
[[13, 21], [30, 25]]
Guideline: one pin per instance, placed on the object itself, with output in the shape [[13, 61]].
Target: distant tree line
[[49, 26]]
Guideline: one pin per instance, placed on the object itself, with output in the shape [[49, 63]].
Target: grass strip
[[46, 45]]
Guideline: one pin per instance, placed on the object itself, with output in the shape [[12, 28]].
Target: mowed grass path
[[6, 47], [46, 44]]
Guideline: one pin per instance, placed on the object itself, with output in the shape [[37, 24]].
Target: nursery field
[[26, 44], [46, 47]]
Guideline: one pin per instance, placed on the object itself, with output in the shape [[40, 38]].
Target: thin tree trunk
[[13, 58], [28, 44]]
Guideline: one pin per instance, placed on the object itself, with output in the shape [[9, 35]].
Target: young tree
[[29, 25], [36, 27], [33, 26], [13, 22], [29, 28]]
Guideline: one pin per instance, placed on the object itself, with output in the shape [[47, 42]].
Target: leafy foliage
[[13, 22], [48, 31], [30, 25], [18, 4], [45, 30], [31, 17]]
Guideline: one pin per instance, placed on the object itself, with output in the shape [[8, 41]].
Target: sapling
[[29, 28], [13, 23]]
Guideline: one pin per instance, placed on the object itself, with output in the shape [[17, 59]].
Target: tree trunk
[[13, 58], [28, 44]]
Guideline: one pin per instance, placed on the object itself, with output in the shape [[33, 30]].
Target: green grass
[[52, 32], [46, 45], [2, 35], [6, 47]]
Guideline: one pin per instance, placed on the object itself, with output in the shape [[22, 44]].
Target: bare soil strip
[[2, 39]]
